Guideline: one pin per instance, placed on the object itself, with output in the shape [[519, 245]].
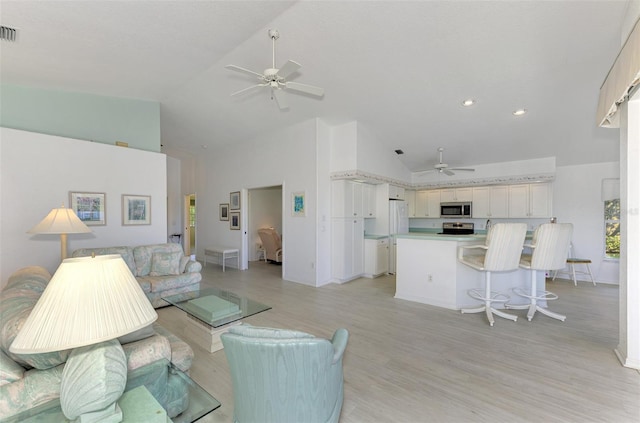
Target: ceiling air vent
[[8, 34]]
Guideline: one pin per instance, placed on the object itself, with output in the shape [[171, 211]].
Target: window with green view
[[612, 228]]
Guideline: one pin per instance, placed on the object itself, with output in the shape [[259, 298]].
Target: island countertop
[[441, 237], [428, 272]]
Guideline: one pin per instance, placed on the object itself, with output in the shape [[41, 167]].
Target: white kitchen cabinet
[[346, 199], [396, 192], [368, 200], [410, 199], [347, 252], [456, 194], [491, 202], [376, 257], [530, 201], [428, 203]]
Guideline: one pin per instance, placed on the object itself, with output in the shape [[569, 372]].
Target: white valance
[[610, 189], [622, 77]]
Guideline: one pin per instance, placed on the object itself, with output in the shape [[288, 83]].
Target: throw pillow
[[10, 371], [143, 333], [184, 260], [163, 264], [18, 298]]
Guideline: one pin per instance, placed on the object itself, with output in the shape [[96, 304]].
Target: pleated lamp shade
[[60, 221], [88, 300]]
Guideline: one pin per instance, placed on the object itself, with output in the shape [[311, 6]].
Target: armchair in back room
[[271, 243]]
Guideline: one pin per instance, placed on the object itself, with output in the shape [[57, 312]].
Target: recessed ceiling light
[[204, 146], [468, 102], [398, 152], [519, 112]]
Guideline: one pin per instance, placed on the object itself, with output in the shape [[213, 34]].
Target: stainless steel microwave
[[462, 209]]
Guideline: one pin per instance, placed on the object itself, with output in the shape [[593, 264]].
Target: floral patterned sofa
[[161, 269], [28, 380]]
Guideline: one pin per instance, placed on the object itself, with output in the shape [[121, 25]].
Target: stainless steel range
[[457, 228]]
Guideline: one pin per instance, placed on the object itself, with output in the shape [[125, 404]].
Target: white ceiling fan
[[276, 78], [441, 167]]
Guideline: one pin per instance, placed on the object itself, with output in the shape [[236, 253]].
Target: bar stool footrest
[[541, 295], [497, 297]]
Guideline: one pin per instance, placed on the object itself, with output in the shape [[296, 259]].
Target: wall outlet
[[429, 278]]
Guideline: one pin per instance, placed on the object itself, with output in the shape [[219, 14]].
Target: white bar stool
[[500, 253], [550, 247]]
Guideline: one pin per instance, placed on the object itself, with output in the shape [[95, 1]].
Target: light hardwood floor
[[409, 362]]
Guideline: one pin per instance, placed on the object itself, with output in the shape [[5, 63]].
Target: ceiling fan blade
[[447, 172], [288, 68], [463, 169], [281, 98], [304, 88], [248, 89], [245, 71]]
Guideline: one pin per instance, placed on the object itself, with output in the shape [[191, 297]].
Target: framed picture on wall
[[136, 209], [298, 204], [234, 221], [90, 207], [234, 201], [224, 211]]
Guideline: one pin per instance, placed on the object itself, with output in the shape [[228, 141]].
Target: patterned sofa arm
[[193, 267]]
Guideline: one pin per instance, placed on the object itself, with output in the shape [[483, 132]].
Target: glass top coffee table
[[211, 311]]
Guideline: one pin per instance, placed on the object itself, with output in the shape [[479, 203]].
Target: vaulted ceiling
[[401, 69]]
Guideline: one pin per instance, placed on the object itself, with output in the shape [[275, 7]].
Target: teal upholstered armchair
[[285, 376]]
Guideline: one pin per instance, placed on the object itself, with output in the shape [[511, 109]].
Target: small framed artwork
[[234, 221], [90, 207], [234, 201], [298, 204], [224, 211], [136, 209]]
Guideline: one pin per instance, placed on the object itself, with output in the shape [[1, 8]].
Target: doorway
[[189, 241], [264, 211]]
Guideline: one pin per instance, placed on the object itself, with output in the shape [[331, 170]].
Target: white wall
[[577, 199], [287, 158], [344, 147], [374, 157], [323, 201], [36, 174], [175, 223]]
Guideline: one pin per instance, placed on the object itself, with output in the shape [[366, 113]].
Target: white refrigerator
[[398, 224]]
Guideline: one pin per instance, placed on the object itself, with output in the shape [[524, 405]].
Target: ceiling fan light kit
[[276, 79]]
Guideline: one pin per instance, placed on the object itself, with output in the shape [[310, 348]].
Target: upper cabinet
[[410, 199], [396, 193], [427, 203], [530, 201], [490, 202], [368, 200], [456, 194], [352, 199]]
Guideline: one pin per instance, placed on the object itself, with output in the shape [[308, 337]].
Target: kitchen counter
[[428, 272], [374, 236], [477, 238]]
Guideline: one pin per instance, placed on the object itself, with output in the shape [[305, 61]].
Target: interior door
[[189, 225]]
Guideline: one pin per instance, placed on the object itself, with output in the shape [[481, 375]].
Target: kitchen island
[[428, 272]]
